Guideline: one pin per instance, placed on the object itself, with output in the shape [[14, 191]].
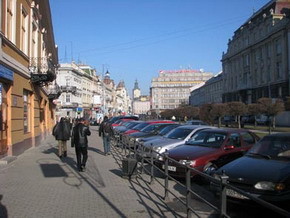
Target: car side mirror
[[229, 147]]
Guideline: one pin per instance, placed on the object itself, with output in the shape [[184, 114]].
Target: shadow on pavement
[[96, 150], [3, 209], [52, 170]]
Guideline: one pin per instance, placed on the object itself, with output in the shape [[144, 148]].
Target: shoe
[[65, 154], [60, 156], [83, 168], [80, 169]]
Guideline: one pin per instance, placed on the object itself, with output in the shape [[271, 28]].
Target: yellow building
[[28, 61]]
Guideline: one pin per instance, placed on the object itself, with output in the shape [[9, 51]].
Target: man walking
[[61, 132], [104, 132], [79, 140]]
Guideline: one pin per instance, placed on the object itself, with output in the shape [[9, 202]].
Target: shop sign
[[6, 73], [79, 109]]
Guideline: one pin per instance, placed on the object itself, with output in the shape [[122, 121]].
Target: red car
[[120, 122], [210, 149]]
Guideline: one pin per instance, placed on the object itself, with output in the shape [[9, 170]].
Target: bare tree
[[219, 111], [237, 109], [271, 107], [205, 113], [254, 110]]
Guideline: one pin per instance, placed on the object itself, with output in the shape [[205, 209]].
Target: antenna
[[71, 48], [65, 55]]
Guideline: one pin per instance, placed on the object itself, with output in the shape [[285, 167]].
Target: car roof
[[192, 127], [226, 130], [283, 135]]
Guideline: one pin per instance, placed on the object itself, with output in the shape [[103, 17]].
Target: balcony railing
[[71, 89], [42, 70], [54, 91]]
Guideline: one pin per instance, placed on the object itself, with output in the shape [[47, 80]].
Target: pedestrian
[[104, 132], [79, 140], [61, 132]]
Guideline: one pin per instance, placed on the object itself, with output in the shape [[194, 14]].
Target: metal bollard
[[152, 166], [188, 188], [224, 179], [166, 198]]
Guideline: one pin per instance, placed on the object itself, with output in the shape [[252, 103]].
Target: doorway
[[3, 119]]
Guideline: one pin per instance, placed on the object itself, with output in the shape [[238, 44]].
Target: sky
[[135, 39]]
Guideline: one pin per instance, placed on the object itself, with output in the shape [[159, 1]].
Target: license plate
[[170, 168], [234, 194]]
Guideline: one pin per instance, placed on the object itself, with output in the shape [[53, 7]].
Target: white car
[[174, 138]]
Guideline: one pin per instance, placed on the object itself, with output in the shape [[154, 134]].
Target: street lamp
[[101, 82]]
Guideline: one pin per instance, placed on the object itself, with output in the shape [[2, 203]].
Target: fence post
[[224, 179], [166, 175], [188, 188], [142, 157], [135, 149], [152, 166]]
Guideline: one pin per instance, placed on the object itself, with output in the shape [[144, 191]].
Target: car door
[[232, 149]]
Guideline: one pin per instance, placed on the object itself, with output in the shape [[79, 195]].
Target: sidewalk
[[39, 184]]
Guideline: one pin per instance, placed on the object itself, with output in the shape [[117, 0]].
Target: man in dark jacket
[[79, 140], [61, 132]]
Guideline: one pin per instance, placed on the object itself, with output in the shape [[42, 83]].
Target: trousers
[[82, 156], [106, 144], [62, 147]]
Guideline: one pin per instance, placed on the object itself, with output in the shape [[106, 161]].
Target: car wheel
[[209, 168]]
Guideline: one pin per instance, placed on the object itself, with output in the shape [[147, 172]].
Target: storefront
[[6, 78]]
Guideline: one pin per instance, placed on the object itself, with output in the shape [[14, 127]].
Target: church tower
[[136, 91]]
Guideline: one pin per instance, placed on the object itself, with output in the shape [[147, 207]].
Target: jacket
[[105, 129], [79, 135], [61, 131]]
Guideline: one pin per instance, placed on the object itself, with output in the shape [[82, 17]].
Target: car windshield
[[208, 139], [140, 126], [271, 148], [167, 129], [151, 128], [179, 133]]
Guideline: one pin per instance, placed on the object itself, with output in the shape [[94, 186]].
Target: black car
[[264, 171]]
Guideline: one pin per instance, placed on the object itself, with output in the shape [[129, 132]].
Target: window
[[235, 140], [67, 98], [279, 70], [26, 111], [11, 21], [278, 47], [24, 31], [248, 138], [34, 40]]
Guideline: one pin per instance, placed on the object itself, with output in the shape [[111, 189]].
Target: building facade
[[256, 63], [172, 88], [28, 64], [209, 92], [141, 105]]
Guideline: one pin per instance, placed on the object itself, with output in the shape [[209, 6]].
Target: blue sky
[[134, 39]]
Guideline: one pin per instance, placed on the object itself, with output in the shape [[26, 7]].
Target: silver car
[[174, 138]]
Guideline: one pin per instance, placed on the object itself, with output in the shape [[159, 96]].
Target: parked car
[[150, 130], [209, 149], [160, 134], [195, 122], [139, 127], [264, 171], [262, 119], [176, 137]]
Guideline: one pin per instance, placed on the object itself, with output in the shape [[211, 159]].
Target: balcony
[[42, 70], [54, 91], [69, 105], [72, 89]]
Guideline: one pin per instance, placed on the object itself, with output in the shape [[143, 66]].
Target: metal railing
[[221, 182]]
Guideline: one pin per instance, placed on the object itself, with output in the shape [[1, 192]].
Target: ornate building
[[256, 63], [28, 64]]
